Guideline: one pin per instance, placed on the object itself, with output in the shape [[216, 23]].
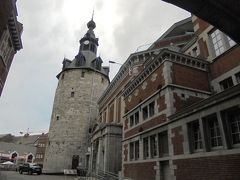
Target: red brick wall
[[225, 167], [181, 103], [189, 77], [5, 11], [225, 62], [152, 87], [203, 49], [161, 106], [140, 171], [147, 125], [202, 25], [177, 140], [175, 40], [161, 103]]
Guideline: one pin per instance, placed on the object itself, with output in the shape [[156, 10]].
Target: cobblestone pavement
[[11, 175]]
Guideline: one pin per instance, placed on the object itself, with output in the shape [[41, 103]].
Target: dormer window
[[92, 48], [98, 65]]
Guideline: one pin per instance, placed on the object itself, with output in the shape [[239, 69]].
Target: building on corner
[[10, 37], [177, 104], [182, 112], [107, 136]]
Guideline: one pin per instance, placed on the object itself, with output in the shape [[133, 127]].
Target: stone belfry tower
[[80, 83]]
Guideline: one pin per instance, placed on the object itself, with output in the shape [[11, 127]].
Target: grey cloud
[[98, 4], [143, 23], [29, 91]]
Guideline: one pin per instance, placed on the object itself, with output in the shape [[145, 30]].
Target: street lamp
[[113, 62]]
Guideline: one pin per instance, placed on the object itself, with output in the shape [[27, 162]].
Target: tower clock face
[[86, 42]]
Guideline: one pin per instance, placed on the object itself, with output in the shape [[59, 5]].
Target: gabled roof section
[[179, 28], [223, 14], [183, 27], [164, 55]]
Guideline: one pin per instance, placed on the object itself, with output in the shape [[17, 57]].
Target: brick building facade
[[177, 105], [10, 37], [40, 148], [107, 153], [181, 117]]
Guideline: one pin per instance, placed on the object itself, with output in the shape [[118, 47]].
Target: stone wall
[[74, 110]]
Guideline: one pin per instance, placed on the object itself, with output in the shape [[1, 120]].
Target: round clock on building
[[86, 42]]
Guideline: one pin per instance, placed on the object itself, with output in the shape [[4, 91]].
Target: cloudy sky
[[52, 30]]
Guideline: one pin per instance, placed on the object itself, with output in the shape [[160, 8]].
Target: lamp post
[[113, 62]]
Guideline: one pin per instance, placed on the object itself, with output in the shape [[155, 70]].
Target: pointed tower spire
[[89, 43], [92, 14]]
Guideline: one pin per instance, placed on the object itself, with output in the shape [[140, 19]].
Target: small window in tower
[[57, 117], [86, 47], [226, 83], [102, 80], [92, 48], [72, 94], [82, 74], [63, 76]]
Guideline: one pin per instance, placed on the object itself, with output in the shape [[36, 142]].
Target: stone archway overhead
[[223, 14]]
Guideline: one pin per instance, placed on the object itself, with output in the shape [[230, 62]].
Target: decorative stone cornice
[[15, 29], [164, 55], [122, 73]]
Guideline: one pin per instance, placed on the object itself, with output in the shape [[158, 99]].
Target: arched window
[[92, 48], [98, 63], [80, 59]]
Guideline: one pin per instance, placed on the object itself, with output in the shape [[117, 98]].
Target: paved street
[[11, 175]]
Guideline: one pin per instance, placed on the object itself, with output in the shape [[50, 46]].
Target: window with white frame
[[153, 145], [145, 147], [195, 138], [231, 122], [235, 127], [218, 42], [226, 83], [163, 144], [134, 119], [145, 112], [149, 110], [238, 77], [221, 42], [134, 150], [214, 135]]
